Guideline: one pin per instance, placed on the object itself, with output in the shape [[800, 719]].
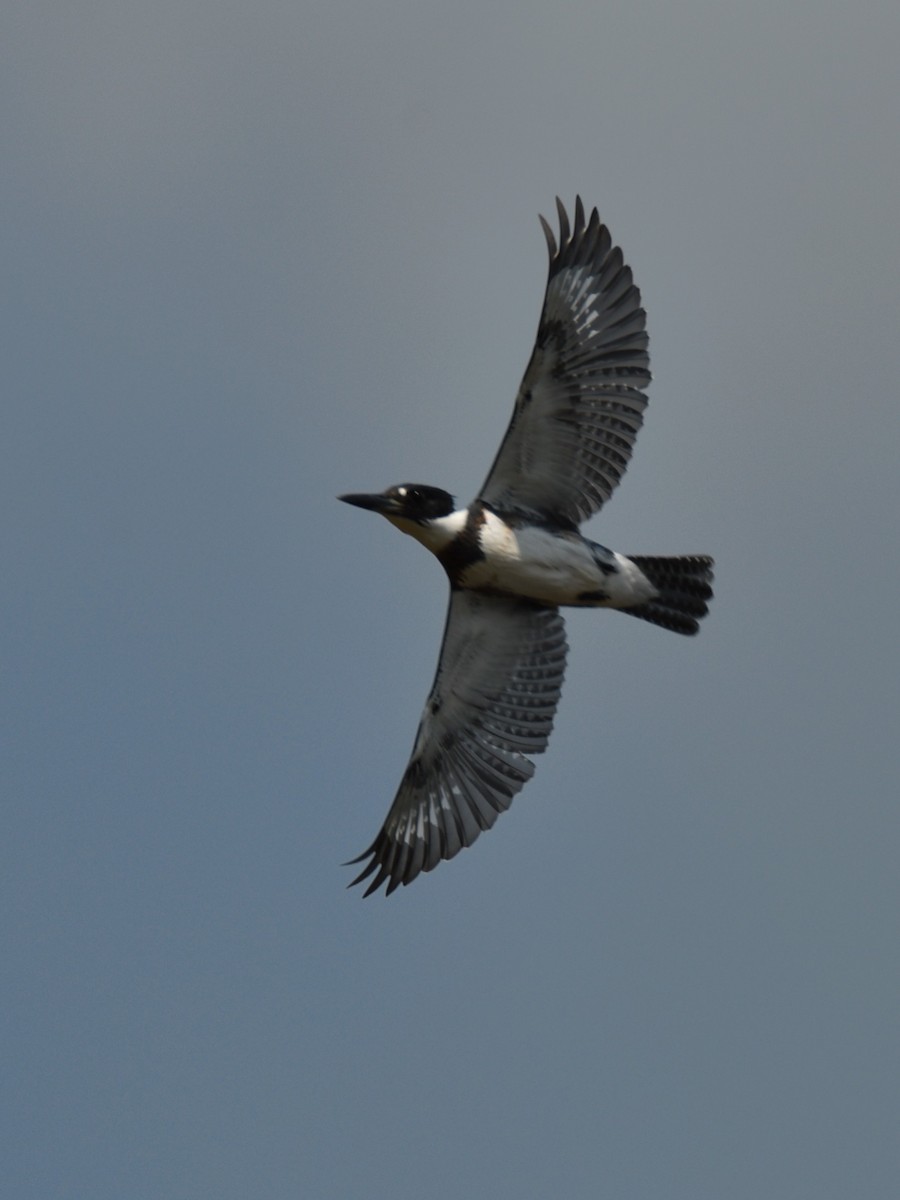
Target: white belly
[[552, 569]]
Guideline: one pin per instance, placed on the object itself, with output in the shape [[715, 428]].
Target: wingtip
[[376, 863], [565, 230], [565, 226], [549, 235]]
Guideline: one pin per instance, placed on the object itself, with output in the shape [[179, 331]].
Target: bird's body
[[508, 555], [515, 555]]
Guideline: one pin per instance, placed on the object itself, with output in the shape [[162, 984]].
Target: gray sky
[[257, 255]]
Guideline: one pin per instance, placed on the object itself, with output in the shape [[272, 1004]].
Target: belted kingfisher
[[515, 555]]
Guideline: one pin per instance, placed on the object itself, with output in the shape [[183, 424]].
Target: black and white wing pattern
[[491, 705], [580, 403]]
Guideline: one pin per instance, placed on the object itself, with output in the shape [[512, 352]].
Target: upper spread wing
[[580, 403], [492, 704]]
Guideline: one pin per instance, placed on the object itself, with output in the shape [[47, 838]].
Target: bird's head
[[415, 508], [406, 501]]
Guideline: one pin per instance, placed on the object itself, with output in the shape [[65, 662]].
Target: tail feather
[[684, 586]]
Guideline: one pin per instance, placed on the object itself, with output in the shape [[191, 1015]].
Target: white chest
[[551, 568]]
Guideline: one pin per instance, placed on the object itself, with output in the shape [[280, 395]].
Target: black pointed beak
[[373, 501]]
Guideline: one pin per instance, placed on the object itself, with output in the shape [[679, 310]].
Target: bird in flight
[[515, 555]]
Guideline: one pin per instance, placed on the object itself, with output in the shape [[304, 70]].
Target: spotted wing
[[580, 404], [492, 705]]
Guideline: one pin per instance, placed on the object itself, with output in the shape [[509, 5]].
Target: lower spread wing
[[580, 403], [492, 704]]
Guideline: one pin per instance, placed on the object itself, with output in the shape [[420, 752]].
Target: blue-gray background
[[256, 255]]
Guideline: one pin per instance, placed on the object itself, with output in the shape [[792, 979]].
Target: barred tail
[[684, 586]]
